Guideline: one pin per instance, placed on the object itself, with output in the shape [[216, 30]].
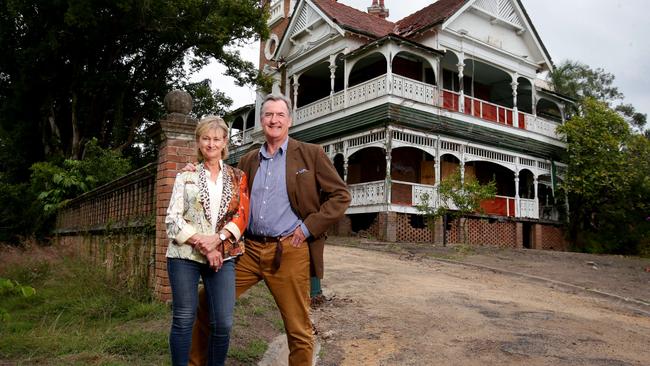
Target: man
[[296, 195]]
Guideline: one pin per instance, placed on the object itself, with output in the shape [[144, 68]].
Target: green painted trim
[[398, 115]]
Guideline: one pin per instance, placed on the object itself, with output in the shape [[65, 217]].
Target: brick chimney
[[378, 9]]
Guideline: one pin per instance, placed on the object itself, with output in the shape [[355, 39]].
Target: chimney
[[378, 9]]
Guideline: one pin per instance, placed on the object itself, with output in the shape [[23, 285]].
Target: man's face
[[275, 120]]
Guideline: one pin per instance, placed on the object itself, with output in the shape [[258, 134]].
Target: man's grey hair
[[276, 97]]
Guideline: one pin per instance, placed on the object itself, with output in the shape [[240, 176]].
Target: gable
[[502, 24], [308, 28]]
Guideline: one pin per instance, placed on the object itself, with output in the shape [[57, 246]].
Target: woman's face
[[211, 144]]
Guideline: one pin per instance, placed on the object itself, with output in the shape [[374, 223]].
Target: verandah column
[[517, 198], [390, 234], [174, 135], [515, 111], [461, 84]]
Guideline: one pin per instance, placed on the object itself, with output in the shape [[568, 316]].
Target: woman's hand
[[215, 260], [206, 243]]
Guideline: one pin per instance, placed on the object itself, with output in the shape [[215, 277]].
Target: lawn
[[80, 316]]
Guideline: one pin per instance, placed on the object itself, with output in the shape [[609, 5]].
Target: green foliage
[[28, 209], [207, 101], [76, 69], [458, 198], [56, 184], [595, 141], [580, 82], [12, 288], [20, 212], [607, 181]]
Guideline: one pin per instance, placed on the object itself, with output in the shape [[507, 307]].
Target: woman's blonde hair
[[206, 124]]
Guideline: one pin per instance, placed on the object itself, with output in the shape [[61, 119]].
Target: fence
[[121, 225]]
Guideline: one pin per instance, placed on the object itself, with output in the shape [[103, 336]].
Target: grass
[[79, 316]]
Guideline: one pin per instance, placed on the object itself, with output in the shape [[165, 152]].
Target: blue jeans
[[220, 292]]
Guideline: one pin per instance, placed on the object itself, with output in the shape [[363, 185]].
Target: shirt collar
[[264, 154], [220, 168]]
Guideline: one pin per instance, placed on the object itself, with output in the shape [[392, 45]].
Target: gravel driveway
[[436, 306]]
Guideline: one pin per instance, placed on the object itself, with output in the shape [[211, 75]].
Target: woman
[[207, 214]]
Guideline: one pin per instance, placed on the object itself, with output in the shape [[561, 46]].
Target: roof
[[355, 20], [429, 16]]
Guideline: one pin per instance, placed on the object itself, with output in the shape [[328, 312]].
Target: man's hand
[[189, 168], [297, 238]]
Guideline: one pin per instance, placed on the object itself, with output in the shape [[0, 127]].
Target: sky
[[610, 34]]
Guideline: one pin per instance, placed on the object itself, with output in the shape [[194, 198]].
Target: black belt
[[263, 239]]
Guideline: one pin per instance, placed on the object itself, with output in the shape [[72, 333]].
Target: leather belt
[[263, 239]]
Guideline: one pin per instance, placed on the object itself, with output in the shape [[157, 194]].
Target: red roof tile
[[355, 20], [427, 17]]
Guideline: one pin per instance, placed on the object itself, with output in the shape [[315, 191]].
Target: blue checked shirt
[[270, 209]]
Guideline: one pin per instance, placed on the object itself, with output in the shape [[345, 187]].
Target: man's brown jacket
[[316, 192]]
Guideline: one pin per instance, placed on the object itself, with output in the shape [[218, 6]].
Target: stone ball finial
[[178, 101]]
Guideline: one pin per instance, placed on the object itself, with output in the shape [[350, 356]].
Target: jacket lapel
[[251, 167], [293, 157]]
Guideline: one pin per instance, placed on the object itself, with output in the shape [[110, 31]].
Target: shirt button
[[261, 217]]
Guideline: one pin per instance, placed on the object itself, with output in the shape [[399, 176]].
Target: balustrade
[[424, 93], [540, 125], [412, 194], [528, 208], [370, 193]]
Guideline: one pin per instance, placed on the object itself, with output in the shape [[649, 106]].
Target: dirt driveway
[[433, 306]]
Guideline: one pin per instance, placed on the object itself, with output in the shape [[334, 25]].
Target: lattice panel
[[484, 232], [552, 238], [407, 233]]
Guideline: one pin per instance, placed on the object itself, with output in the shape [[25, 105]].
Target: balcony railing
[[414, 90], [499, 205], [276, 11], [411, 194], [371, 193], [528, 208], [540, 125], [242, 137]]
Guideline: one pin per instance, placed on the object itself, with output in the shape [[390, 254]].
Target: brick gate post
[[174, 135]]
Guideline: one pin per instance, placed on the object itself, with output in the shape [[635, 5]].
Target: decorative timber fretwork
[[500, 10], [305, 19]]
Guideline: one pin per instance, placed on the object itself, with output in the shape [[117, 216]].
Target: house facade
[[399, 106]]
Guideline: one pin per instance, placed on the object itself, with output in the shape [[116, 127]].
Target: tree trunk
[[52, 142], [76, 135]]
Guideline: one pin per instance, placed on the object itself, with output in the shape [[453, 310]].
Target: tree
[[580, 82], [607, 180], [457, 198], [72, 70], [207, 101]]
